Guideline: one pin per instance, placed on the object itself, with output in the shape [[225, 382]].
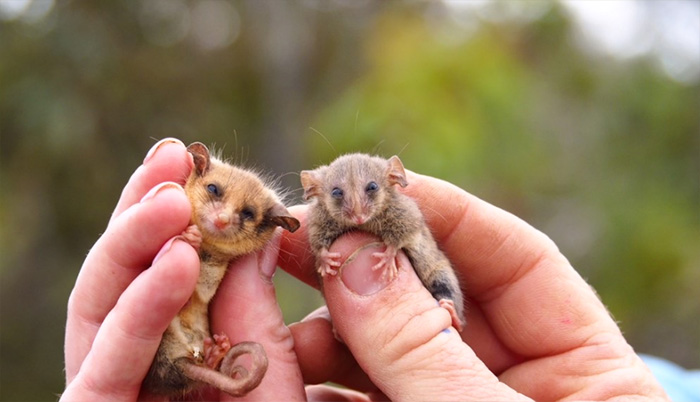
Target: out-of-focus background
[[582, 117]]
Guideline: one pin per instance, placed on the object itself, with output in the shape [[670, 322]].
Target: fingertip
[[168, 160], [168, 150], [154, 149], [133, 239], [328, 393], [161, 187]]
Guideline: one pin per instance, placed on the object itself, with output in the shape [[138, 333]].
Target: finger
[[322, 358], [118, 256], [167, 160], [127, 247], [245, 308], [511, 269], [536, 304], [395, 329], [125, 344], [491, 242], [327, 393]]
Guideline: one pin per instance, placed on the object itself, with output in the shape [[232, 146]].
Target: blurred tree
[[601, 154]]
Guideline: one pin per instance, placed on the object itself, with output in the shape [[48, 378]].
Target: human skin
[[535, 328]]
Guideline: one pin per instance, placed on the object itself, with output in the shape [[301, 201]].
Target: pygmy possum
[[357, 192], [233, 213]]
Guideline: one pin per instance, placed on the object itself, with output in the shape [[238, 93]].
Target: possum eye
[[247, 214], [337, 193], [214, 190], [372, 187]]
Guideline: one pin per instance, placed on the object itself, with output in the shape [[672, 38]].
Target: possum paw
[[387, 259], [215, 350], [449, 305], [192, 236], [329, 263]]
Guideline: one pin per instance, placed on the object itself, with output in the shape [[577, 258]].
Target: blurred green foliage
[[601, 154]]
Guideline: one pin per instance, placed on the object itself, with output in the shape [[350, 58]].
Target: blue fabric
[[680, 384]]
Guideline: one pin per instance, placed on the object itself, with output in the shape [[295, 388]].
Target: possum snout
[[224, 220], [357, 210]]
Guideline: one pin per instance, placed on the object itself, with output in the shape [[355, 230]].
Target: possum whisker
[[402, 149], [376, 148], [288, 174], [325, 138], [435, 211]]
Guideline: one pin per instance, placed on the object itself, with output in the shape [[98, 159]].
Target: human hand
[[137, 277], [534, 328], [128, 291]]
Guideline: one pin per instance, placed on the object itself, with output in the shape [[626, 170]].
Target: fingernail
[[155, 190], [321, 312], [357, 273], [156, 147], [164, 250]]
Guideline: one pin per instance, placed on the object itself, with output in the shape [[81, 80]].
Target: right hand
[[534, 328]]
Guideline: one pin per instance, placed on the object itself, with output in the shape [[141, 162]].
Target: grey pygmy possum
[[233, 213], [357, 192]]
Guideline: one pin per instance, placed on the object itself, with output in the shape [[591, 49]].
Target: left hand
[[137, 277]]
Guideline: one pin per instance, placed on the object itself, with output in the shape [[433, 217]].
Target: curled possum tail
[[233, 379]]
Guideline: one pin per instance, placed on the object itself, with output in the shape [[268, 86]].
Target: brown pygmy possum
[[233, 213], [356, 191]]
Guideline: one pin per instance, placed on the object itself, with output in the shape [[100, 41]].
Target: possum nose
[[222, 220]]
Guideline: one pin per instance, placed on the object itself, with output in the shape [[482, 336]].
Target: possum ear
[[311, 182], [396, 172], [281, 217], [200, 155]]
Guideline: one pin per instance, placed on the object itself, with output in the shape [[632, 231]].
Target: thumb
[[398, 333], [245, 308]]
